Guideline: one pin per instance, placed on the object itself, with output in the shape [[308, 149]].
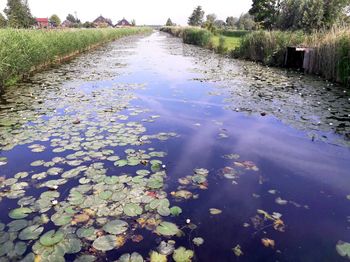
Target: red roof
[[42, 20]]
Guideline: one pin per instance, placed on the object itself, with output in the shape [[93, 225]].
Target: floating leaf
[[166, 248], [31, 232], [343, 249], [175, 211], [183, 255], [132, 210], [198, 241], [237, 251], [268, 242], [215, 211], [105, 195], [105, 243], [116, 227], [20, 213], [17, 225], [182, 194], [167, 229], [156, 257], [134, 257], [121, 163], [51, 238]]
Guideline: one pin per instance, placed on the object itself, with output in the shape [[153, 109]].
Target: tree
[[3, 21], [18, 14], [231, 21], [133, 22], [55, 20], [196, 19], [265, 12], [169, 22], [88, 25], [71, 18], [290, 14], [245, 22], [334, 11], [311, 15], [211, 18]]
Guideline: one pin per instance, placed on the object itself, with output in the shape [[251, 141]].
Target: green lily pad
[[134, 257], [51, 238], [121, 163], [343, 249], [20, 248], [167, 229], [105, 195], [116, 227], [20, 213], [61, 219], [198, 241], [105, 243], [31, 232], [215, 211], [156, 257], [132, 210], [85, 258], [17, 225], [175, 211], [183, 255]]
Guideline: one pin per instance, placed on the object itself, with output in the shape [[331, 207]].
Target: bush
[[197, 36]]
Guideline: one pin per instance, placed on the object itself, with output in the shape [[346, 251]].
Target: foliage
[[264, 12], [197, 36], [231, 21], [24, 50], [169, 22], [133, 22], [246, 22], [196, 18], [18, 14], [71, 18], [3, 21], [55, 20]]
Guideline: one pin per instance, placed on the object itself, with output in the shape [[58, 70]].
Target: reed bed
[[23, 51]]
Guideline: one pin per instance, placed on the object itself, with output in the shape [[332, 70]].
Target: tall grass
[[197, 36], [22, 51], [329, 54]]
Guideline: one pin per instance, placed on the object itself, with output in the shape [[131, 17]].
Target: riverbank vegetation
[[23, 51]]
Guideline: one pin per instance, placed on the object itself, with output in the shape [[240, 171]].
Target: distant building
[[66, 23], [123, 23], [102, 22], [42, 22]]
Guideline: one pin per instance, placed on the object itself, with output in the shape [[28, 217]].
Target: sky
[[151, 12]]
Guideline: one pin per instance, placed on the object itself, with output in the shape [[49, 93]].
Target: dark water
[[290, 133]]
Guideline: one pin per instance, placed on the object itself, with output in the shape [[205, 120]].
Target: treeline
[[306, 15]]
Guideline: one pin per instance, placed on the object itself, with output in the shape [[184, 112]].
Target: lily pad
[[31, 232], [198, 241], [215, 211], [105, 243], [175, 211], [20, 213], [132, 210], [17, 225], [167, 229], [116, 227], [156, 257], [134, 257], [51, 238], [183, 255], [343, 249]]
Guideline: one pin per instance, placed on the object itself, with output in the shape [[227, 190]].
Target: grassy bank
[[222, 41], [24, 51], [329, 51]]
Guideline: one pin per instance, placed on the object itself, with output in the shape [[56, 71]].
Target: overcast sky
[[144, 12]]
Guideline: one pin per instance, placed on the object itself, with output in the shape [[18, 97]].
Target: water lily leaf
[[88, 233], [182, 194], [17, 225], [167, 229], [20, 213], [166, 248], [121, 163], [199, 179], [343, 249], [198, 241], [31, 232], [61, 219], [134, 257], [116, 227], [105, 243], [20, 248], [105, 195], [156, 257], [237, 251], [6, 248], [175, 211], [132, 210], [71, 245], [183, 255], [51, 238], [215, 211]]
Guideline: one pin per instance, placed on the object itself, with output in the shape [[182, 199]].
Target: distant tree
[[133, 22], [71, 18], [88, 25], [18, 14], [219, 23], [246, 22], [311, 15], [211, 18], [290, 14], [334, 11], [231, 21], [55, 20], [265, 12], [196, 18], [169, 22], [3, 21]]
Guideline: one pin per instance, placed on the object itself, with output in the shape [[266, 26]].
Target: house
[[42, 22], [66, 23], [123, 23], [102, 22]]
